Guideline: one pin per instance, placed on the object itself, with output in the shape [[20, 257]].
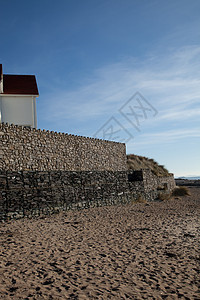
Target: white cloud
[[170, 82], [179, 115], [162, 138], [173, 134]]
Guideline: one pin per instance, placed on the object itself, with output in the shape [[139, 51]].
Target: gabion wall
[[22, 148], [33, 193]]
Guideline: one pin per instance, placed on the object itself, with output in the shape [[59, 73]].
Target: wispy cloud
[[179, 115], [170, 135], [145, 140], [171, 83]]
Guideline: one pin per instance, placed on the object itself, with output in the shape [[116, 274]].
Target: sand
[[136, 251]]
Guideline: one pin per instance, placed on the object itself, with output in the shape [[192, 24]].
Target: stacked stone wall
[[153, 182], [167, 182], [30, 193], [148, 185], [42, 172], [24, 148]]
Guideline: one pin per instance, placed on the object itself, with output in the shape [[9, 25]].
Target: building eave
[[18, 95]]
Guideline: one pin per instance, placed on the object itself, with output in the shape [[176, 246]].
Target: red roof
[[20, 85]]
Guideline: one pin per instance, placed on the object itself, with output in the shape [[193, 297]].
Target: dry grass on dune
[[181, 191], [178, 192], [140, 199], [164, 196], [136, 162]]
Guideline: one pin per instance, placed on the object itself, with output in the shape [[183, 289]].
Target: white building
[[18, 99]]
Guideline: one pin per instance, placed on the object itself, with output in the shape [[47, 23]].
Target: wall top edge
[[48, 132]]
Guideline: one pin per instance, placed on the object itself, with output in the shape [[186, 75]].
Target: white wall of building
[[18, 110]]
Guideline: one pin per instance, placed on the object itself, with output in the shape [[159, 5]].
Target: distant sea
[[189, 178]]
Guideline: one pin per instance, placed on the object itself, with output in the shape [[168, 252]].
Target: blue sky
[[91, 57]]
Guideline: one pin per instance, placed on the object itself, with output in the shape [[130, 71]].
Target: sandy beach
[[136, 251]]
